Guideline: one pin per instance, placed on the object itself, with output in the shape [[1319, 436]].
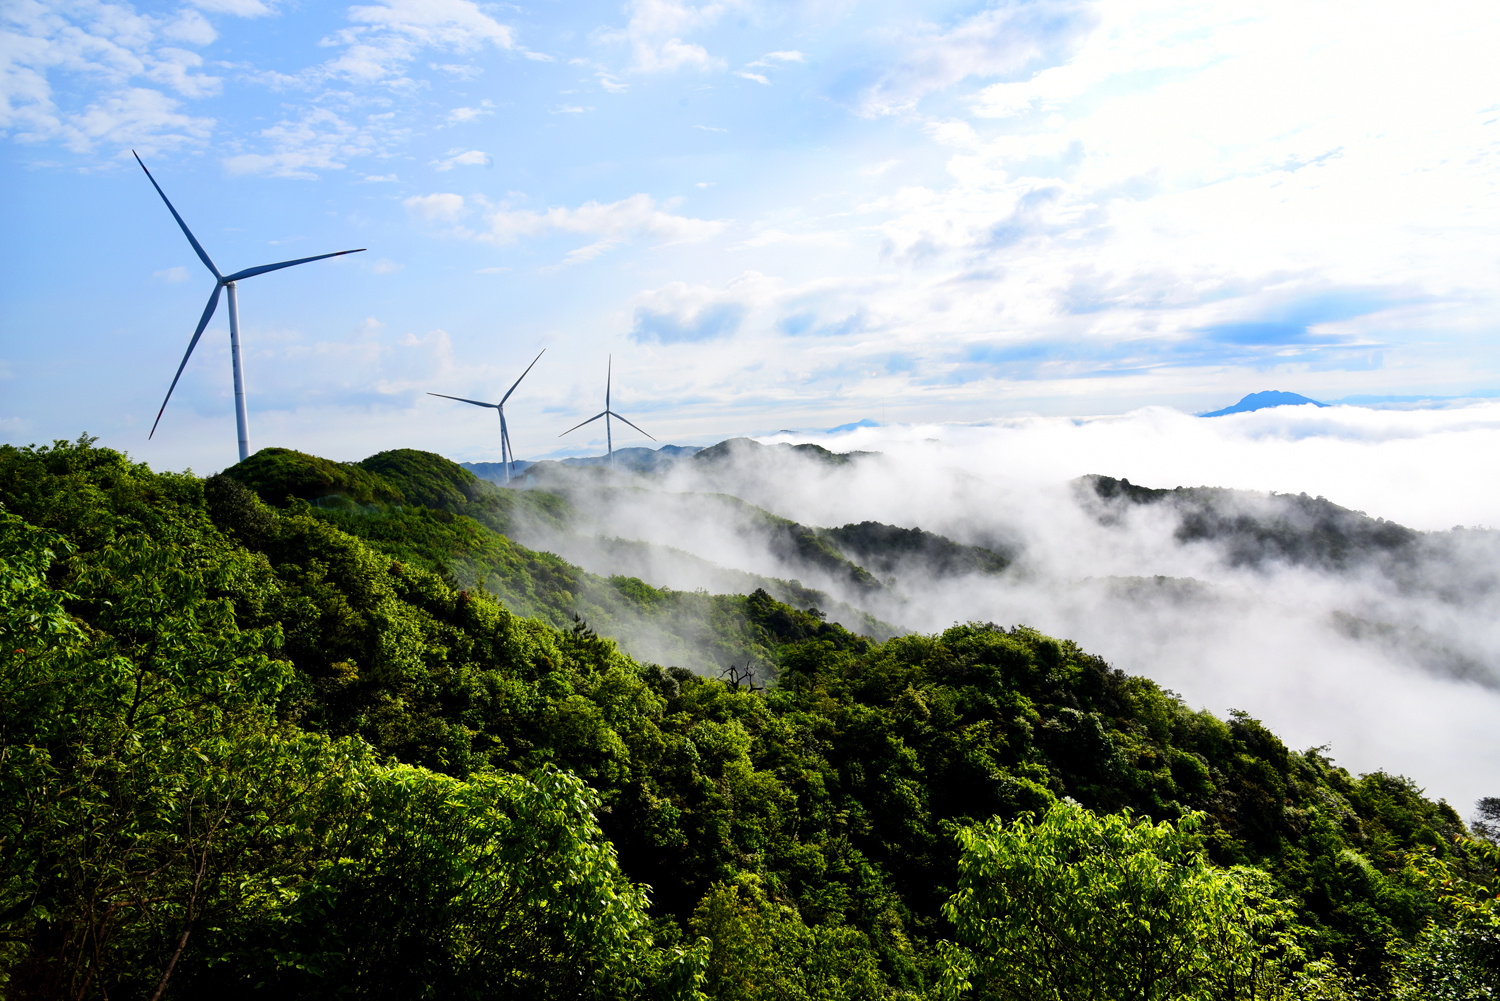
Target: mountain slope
[[824, 805], [1263, 401]]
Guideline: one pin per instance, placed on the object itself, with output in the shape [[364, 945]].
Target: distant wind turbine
[[607, 414], [222, 282], [507, 454]]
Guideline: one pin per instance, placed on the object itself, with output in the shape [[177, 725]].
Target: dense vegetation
[[258, 739]]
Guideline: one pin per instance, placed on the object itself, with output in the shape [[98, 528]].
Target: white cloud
[[655, 34], [386, 36], [462, 71], [769, 61], [710, 128], [1007, 40], [171, 67], [461, 158], [442, 207], [106, 50], [681, 312], [191, 27], [1159, 210], [953, 132], [385, 266], [238, 8], [135, 116], [320, 140], [171, 275], [460, 116], [638, 215]]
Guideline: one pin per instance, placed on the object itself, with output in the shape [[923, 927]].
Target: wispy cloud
[[386, 36], [655, 32], [462, 116], [320, 140], [461, 158], [1004, 41], [614, 222], [440, 207]]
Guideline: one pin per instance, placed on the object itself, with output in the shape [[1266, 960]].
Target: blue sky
[[771, 214]]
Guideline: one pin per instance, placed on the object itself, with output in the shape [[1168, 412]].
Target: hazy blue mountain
[[1265, 400], [865, 423]]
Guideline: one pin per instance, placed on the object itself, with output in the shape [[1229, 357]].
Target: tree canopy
[[251, 746]]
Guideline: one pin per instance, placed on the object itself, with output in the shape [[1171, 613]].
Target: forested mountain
[[311, 729]]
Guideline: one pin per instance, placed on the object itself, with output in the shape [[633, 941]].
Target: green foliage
[[424, 478], [162, 825], [1077, 905], [316, 747], [1459, 959], [499, 885], [1080, 905], [758, 950], [279, 473]]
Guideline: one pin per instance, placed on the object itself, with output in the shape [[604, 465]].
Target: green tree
[[1457, 959], [760, 950], [1084, 906]]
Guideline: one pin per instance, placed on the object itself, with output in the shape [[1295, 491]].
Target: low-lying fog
[[1389, 657]]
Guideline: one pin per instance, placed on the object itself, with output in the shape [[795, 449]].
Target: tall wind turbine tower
[[507, 454], [222, 283], [607, 414]]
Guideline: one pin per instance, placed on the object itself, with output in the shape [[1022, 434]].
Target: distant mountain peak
[[1263, 401]]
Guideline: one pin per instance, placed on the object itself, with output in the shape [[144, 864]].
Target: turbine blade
[[252, 272], [591, 420], [509, 452], [460, 399], [202, 256], [523, 375], [208, 313], [609, 374], [618, 417]]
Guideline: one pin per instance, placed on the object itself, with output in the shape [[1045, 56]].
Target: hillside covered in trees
[[310, 729]]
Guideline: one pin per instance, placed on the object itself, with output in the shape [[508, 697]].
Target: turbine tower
[[507, 454], [607, 414], [222, 282]]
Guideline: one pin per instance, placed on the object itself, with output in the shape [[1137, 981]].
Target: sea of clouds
[[1394, 669]]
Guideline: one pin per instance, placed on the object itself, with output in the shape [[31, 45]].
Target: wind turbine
[[507, 454], [607, 414], [222, 282]]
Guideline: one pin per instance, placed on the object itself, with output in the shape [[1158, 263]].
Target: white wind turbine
[[222, 282], [606, 414], [507, 454]]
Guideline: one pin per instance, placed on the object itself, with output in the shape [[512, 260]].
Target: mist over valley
[[1339, 626]]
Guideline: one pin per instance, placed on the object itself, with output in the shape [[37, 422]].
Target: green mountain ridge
[[252, 748]]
